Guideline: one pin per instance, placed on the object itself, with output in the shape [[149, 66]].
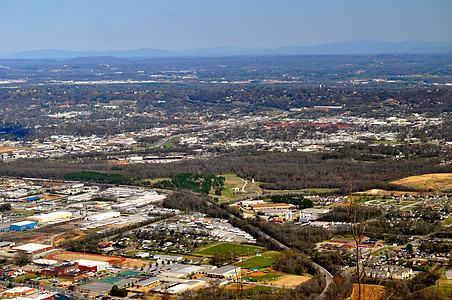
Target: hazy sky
[[189, 24]]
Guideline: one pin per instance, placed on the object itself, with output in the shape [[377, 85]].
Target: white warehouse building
[[103, 216]]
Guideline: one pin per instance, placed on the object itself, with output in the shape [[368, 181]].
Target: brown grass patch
[[370, 292], [434, 182], [289, 281]]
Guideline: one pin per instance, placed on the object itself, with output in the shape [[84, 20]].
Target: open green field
[[445, 288], [447, 221], [25, 277], [266, 260], [268, 277], [230, 248]]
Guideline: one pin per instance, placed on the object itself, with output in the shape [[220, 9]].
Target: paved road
[[165, 140]]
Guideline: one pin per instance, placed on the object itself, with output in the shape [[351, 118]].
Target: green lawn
[[25, 277], [445, 288], [229, 247], [268, 277], [266, 260], [447, 221]]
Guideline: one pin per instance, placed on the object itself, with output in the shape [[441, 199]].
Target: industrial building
[[187, 285], [103, 216], [32, 248], [224, 272], [259, 207], [142, 200], [314, 213], [24, 225], [53, 216]]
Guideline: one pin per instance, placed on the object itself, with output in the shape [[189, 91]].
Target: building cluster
[[343, 244], [389, 271]]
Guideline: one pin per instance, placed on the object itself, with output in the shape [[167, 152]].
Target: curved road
[[328, 278]]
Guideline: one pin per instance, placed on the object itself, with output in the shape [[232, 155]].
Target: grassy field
[[445, 288], [435, 182], [264, 261], [229, 247], [25, 277], [447, 221], [268, 277]]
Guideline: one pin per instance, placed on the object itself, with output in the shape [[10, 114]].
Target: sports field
[[230, 248], [259, 262], [289, 281], [111, 279]]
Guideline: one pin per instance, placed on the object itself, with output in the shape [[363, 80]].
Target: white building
[[103, 216], [314, 213], [92, 265]]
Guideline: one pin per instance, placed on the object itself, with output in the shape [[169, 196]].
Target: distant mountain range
[[341, 48]]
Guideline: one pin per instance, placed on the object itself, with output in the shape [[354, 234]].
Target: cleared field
[[289, 281], [228, 248], [434, 182], [259, 262], [370, 291], [113, 260], [233, 181]]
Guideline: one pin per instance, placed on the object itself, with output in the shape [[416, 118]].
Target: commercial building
[[53, 216], [24, 225], [18, 291], [91, 265], [32, 248]]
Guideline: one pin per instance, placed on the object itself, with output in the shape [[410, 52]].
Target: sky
[[191, 24]]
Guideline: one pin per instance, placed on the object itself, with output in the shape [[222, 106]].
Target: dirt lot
[[115, 260], [6, 149], [96, 257], [371, 292], [256, 274], [434, 182], [289, 281]]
